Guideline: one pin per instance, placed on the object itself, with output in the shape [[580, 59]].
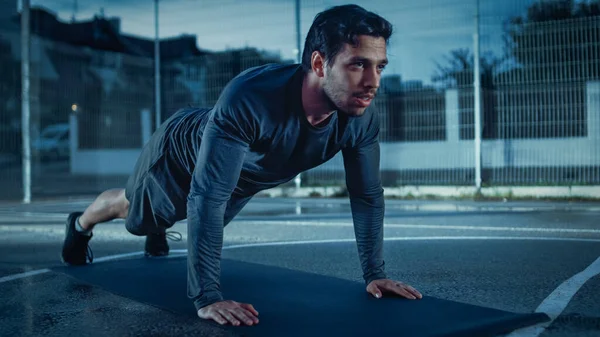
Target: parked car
[[53, 142]]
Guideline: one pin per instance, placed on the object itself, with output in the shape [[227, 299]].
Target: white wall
[[106, 161]]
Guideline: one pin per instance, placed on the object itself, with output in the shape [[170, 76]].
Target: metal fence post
[[25, 108], [146, 126], [157, 68], [73, 140], [477, 94], [298, 179]]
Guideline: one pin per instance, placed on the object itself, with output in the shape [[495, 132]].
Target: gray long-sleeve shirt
[[257, 137]]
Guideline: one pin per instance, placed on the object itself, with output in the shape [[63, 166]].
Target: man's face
[[353, 79]]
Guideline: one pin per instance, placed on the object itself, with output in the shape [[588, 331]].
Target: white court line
[[22, 275], [46, 229], [557, 301], [456, 227], [117, 256]]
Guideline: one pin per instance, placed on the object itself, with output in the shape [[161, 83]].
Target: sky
[[425, 31]]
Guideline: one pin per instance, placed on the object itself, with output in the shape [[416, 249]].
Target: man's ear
[[317, 61]]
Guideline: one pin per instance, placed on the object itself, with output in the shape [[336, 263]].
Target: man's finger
[[249, 307], [241, 316], [414, 292], [375, 291], [410, 290], [245, 315], [247, 312], [229, 317], [215, 316], [403, 292]]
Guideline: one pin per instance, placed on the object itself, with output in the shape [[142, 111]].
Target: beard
[[333, 95], [339, 97]]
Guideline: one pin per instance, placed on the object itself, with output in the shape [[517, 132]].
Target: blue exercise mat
[[295, 303]]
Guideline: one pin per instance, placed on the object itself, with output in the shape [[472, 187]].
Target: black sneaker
[[156, 243], [75, 249]]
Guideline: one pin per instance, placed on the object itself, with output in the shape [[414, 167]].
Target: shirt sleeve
[[363, 181], [225, 142]]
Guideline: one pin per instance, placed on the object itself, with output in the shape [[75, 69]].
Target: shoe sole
[[67, 229], [148, 255]]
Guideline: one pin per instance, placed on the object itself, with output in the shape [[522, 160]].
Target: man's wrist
[[373, 277], [207, 298]]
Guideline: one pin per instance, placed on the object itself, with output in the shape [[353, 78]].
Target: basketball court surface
[[484, 268]]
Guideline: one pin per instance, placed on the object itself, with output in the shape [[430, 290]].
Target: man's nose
[[372, 78]]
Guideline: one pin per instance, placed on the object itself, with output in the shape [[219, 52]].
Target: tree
[[553, 51], [555, 41], [458, 72]]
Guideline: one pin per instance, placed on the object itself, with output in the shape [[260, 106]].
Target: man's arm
[[363, 181], [218, 166]]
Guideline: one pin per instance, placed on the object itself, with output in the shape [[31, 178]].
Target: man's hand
[[230, 312], [378, 287]]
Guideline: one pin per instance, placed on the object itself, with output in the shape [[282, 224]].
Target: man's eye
[[359, 64]]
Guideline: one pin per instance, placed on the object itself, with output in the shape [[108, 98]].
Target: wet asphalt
[[504, 255]]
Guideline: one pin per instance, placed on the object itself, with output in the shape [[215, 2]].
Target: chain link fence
[[93, 105]]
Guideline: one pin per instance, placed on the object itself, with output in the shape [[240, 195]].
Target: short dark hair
[[338, 25]]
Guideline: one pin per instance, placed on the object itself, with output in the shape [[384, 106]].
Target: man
[[269, 124]]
